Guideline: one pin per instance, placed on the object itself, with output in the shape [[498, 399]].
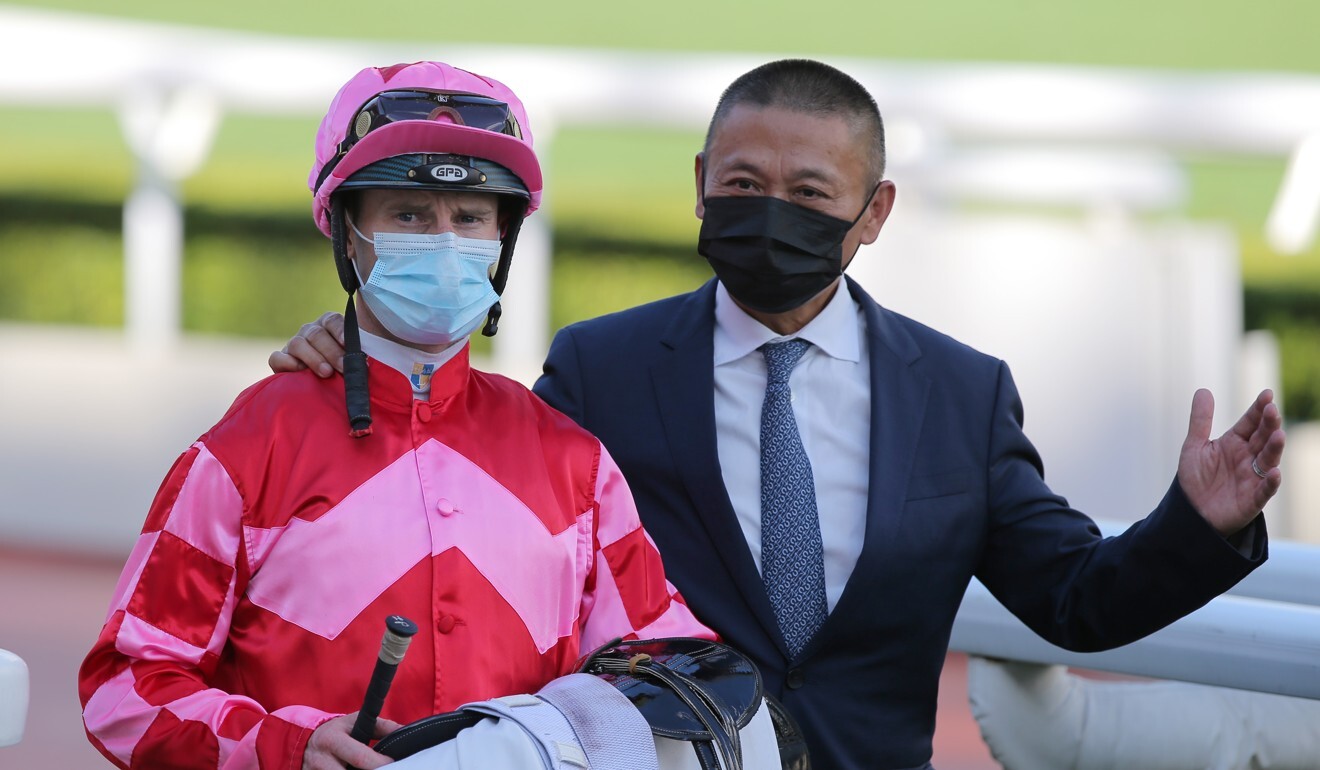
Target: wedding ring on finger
[[1255, 466]]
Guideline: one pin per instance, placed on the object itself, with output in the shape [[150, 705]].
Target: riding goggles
[[460, 109]]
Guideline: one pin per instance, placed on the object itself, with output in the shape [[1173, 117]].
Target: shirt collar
[[834, 330], [418, 366]]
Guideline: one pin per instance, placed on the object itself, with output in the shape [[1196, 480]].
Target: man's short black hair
[[813, 88]]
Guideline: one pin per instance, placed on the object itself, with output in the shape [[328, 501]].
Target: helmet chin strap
[[501, 276], [357, 398]]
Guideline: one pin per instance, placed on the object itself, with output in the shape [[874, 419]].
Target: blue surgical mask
[[429, 289]]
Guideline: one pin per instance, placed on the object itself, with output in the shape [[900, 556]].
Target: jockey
[[425, 131], [244, 625]]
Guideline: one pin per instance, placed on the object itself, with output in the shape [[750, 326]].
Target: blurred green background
[[622, 198]]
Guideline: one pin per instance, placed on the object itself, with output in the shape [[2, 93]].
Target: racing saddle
[[703, 694]]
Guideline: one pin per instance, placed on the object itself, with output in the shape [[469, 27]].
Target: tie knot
[[781, 357]]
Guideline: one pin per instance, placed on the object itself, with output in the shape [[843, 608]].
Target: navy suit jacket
[[955, 490]]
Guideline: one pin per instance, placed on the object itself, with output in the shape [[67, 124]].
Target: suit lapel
[[685, 393], [898, 406]]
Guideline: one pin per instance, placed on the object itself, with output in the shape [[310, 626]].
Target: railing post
[[170, 131]]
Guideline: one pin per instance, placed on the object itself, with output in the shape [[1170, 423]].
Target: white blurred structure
[[170, 130], [1044, 718], [1109, 328], [13, 698], [1248, 695]]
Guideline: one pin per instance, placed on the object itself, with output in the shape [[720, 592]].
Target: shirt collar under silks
[[391, 365], [834, 330]]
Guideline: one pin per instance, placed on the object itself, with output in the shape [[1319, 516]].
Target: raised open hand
[[1229, 479]]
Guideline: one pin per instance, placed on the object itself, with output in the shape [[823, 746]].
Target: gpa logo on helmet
[[450, 170], [449, 173]]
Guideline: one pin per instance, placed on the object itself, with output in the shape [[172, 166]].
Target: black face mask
[[771, 255]]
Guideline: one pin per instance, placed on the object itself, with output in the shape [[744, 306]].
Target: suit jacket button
[[795, 679]]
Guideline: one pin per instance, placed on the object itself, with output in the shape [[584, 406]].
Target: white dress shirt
[[831, 388]]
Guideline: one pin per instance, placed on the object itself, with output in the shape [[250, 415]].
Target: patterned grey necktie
[[792, 565]]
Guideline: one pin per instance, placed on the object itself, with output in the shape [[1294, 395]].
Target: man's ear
[[700, 181], [877, 211]]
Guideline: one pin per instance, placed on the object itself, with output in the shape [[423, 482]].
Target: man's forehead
[[754, 138], [750, 122], [386, 195]]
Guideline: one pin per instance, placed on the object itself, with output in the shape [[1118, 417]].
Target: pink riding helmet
[[437, 135]]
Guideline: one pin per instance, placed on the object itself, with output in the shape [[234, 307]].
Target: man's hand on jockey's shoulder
[[318, 346], [332, 747]]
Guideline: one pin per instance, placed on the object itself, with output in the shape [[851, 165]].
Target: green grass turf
[[1267, 34]]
